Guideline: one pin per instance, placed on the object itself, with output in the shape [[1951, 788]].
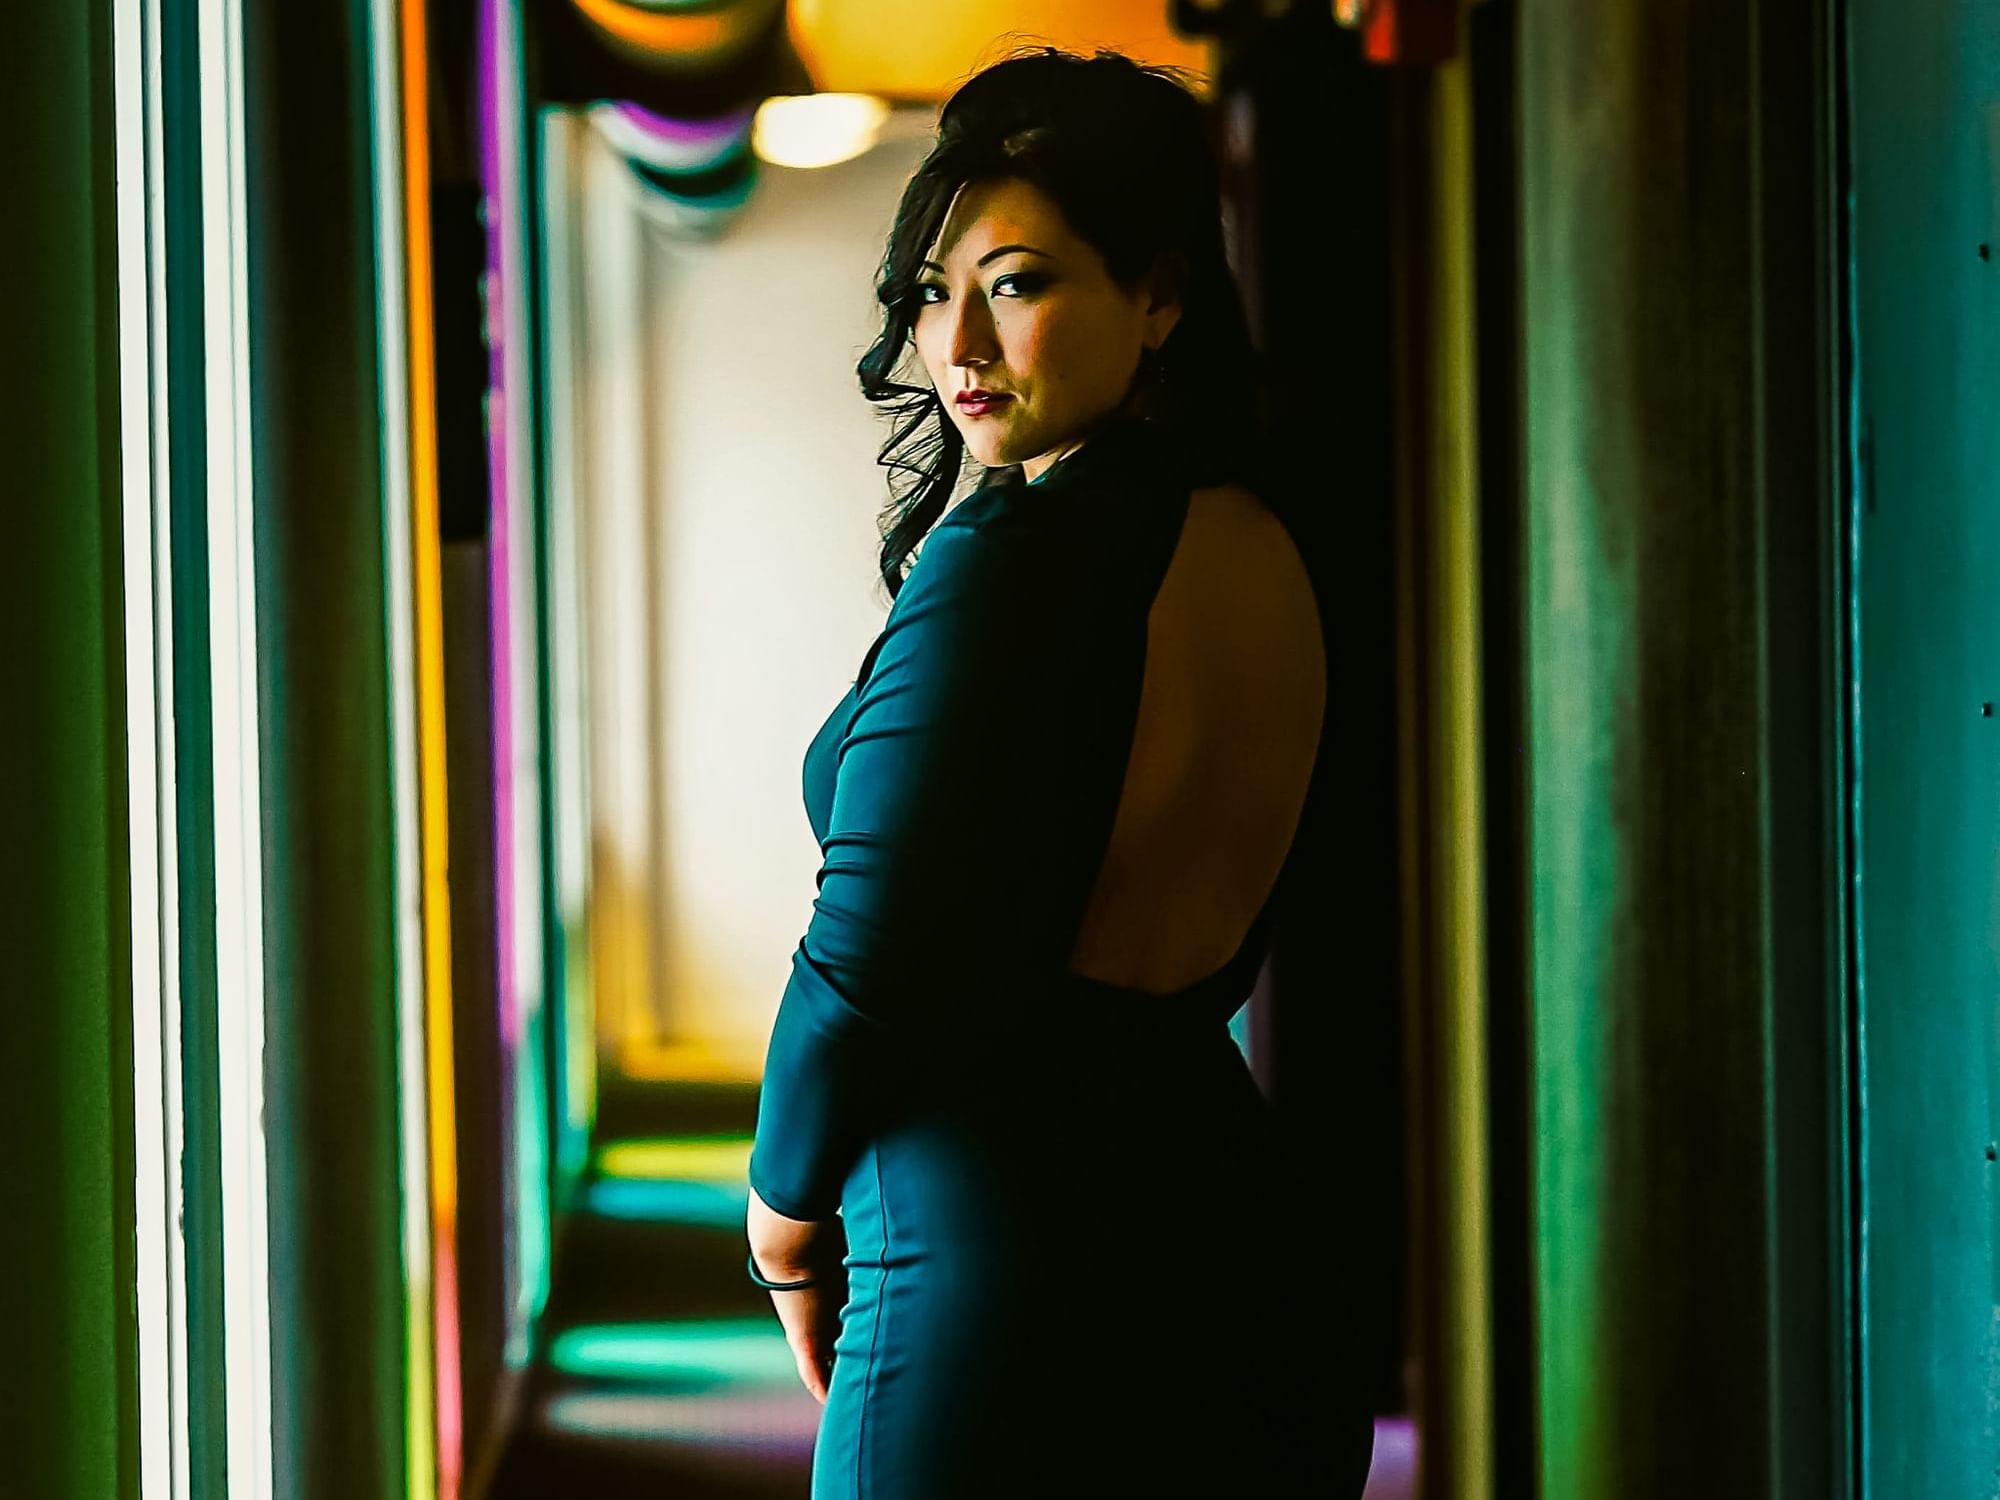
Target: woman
[[1067, 1258]]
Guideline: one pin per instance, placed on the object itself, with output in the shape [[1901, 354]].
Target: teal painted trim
[[536, 1122], [568, 1150], [194, 791], [1925, 140], [1850, 1125]]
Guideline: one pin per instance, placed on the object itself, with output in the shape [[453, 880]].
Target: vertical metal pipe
[[1441, 667], [1457, 760]]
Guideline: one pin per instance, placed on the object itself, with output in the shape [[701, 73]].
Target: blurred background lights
[[703, 1352], [817, 130], [720, 1158]]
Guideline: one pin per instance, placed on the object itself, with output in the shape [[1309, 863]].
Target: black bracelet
[[778, 1286]]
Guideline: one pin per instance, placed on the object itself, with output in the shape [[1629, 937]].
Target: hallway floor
[[664, 1370]]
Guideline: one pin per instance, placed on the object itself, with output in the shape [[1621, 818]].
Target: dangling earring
[[1151, 384]]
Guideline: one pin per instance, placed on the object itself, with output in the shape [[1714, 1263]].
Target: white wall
[[725, 471]]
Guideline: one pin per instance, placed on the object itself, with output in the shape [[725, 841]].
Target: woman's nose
[[971, 333]]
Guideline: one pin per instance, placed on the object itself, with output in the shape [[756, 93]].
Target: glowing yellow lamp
[[816, 130], [920, 50]]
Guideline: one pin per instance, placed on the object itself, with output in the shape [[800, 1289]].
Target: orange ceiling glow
[[920, 50]]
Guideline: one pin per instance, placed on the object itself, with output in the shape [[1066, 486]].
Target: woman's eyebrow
[[995, 254]]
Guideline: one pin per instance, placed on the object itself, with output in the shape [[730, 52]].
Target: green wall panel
[[67, 1383], [1680, 618]]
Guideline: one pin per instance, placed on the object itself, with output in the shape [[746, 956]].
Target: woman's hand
[[791, 1250]]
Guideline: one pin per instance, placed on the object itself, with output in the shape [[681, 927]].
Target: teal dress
[[1073, 1261]]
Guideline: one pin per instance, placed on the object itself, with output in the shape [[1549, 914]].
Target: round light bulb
[[817, 130]]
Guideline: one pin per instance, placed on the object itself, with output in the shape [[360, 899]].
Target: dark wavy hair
[[1125, 152]]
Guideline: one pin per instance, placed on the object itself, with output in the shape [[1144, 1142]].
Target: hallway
[[663, 1370], [452, 491]]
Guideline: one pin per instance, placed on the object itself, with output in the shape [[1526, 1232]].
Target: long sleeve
[[975, 787]]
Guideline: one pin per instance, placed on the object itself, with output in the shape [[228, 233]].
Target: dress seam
[[863, 1476]]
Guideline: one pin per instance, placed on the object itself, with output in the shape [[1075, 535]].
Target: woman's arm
[[788, 1250], [974, 783]]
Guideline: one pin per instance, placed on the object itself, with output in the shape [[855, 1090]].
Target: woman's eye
[[1019, 283]]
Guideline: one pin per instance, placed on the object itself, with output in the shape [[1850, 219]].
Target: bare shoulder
[[1241, 509], [1246, 544]]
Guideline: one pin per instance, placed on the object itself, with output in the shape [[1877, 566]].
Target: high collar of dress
[[1121, 444]]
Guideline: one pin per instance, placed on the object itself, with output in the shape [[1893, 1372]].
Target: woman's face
[[1011, 301]]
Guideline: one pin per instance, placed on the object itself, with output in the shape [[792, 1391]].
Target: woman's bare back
[[1229, 724]]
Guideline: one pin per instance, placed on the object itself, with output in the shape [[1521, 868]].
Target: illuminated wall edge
[[393, 313]]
